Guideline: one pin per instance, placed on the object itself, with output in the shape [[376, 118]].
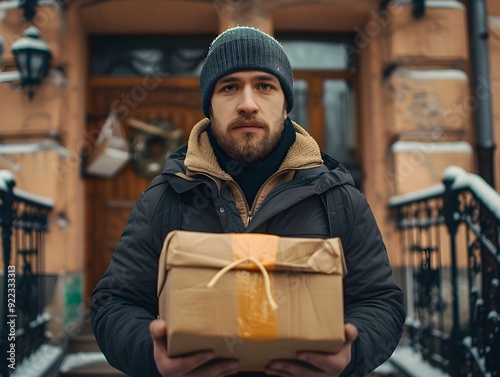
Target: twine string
[[265, 274]]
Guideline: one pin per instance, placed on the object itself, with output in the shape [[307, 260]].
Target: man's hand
[[200, 364], [316, 364]]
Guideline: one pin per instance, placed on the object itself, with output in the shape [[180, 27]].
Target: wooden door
[[108, 202]]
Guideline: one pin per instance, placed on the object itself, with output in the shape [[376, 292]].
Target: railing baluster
[[466, 208], [6, 219], [23, 219]]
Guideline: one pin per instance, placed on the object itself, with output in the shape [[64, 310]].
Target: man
[[248, 168]]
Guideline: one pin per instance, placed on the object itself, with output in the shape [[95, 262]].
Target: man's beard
[[250, 147]]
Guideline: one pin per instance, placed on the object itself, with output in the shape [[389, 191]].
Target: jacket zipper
[[251, 213], [250, 210], [247, 207], [274, 193]]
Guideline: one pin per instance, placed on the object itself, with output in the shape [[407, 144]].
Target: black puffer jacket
[[124, 301]]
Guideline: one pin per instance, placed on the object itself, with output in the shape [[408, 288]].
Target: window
[[147, 55], [325, 95]]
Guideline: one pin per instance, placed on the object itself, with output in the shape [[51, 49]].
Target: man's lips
[[248, 127]]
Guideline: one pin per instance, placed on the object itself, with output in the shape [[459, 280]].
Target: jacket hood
[[337, 171]]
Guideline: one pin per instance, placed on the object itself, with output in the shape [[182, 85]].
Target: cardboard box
[[213, 295]]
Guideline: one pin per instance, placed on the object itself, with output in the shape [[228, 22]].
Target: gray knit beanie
[[244, 49]]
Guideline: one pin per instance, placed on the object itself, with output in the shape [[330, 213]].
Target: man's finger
[[158, 331], [351, 332], [333, 363], [176, 365], [216, 368], [185, 364], [288, 368]]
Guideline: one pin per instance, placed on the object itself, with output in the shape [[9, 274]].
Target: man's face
[[247, 114]]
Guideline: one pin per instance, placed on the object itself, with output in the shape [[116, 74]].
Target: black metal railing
[[451, 275], [23, 222]]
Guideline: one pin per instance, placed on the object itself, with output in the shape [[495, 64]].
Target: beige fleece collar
[[200, 158]]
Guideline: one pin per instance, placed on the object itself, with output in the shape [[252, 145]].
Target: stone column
[[427, 97]]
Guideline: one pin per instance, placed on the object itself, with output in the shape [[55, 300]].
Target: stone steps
[[84, 359]]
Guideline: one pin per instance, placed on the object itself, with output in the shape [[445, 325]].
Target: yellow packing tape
[[256, 306]]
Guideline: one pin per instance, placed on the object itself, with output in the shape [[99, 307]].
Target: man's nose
[[247, 103]]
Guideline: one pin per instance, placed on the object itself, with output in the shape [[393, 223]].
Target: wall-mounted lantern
[[32, 57], [418, 11], [29, 6]]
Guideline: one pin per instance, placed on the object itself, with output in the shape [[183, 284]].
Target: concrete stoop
[[84, 359], [44, 362], [411, 364], [87, 364], [387, 369]]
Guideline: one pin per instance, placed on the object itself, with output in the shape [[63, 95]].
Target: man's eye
[[265, 86], [229, 88]]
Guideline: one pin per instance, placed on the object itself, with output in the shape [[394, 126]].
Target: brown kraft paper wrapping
[[235, 316]]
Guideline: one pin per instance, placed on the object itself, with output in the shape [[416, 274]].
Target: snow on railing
[[457, 179], [7, 181], [462, 180]]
